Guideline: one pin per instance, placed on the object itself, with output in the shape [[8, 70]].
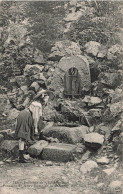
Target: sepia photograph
[[61, 97]]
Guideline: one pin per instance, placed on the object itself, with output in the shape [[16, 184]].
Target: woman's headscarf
[[36, 109]]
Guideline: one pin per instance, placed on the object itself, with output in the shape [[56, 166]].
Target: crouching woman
[[26, 127]]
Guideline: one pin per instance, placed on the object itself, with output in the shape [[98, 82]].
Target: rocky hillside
[[36, 37]]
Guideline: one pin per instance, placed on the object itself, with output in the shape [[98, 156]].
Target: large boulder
[[33, 69], [110, 79], [66, 134], [94, 140], [59, 152], [36, 149], [64, 48], [92, 48]]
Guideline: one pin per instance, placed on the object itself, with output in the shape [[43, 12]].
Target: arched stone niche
[[72, 80], [66, 63]]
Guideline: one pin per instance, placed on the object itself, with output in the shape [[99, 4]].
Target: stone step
[[59, 152]]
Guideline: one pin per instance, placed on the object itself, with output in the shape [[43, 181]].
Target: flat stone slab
[[59, 152], [36, 149]]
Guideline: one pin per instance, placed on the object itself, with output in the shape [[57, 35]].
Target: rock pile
[[76, 120]]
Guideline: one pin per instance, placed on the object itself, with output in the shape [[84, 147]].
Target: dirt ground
[[58, 178]]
